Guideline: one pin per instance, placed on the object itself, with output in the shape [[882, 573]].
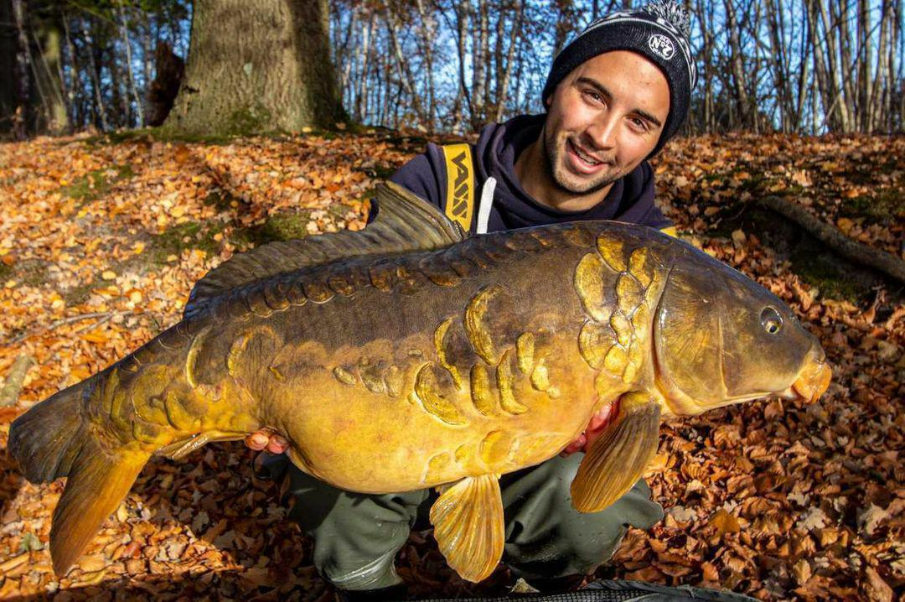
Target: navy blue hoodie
[[631, 199]]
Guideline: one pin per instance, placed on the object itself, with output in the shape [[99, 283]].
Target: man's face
[[603, 119]]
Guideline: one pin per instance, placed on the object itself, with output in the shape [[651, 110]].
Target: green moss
[[96, 183], [814, 263], [30, 543], [189, 235], [754, 183], [832, 276], [221, 200], [79, 294], [249, 120], [284, 225], [211, 139], [32, 272], [119, 137], [885, 206]]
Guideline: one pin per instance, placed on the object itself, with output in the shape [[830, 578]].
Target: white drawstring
[[485, 205]]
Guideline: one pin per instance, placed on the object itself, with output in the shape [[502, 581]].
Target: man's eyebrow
[[604, 92], [647, 116], [595, 84]]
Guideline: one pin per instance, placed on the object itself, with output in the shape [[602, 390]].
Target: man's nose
[[603, 132]]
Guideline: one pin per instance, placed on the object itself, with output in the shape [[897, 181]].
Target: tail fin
[[51, 440], [43, 439]]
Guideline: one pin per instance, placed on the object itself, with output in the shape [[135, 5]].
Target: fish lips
[[812, 382]]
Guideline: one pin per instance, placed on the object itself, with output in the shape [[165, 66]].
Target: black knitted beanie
[[659, 32]]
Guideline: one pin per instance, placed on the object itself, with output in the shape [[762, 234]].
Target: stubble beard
[[557, 172]]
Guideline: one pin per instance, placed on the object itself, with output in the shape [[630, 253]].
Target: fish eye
[[771, 320]]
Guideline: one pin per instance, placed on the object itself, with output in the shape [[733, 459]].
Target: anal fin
[[617, 459], [469, 527], [97, 483]]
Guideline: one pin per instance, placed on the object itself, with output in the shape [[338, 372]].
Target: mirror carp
[[408, 356]]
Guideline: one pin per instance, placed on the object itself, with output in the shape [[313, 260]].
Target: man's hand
[[267, 439], [599, 422]]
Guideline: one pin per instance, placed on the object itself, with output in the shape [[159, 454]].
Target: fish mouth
[[812, 381]]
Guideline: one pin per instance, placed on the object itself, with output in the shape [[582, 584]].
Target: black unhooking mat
[[616, 591]]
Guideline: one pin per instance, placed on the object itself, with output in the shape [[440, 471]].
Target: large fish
[[407, 356]]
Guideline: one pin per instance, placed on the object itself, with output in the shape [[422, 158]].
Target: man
[[614, 96]]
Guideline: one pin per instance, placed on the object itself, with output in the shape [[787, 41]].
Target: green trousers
[[356, 536]]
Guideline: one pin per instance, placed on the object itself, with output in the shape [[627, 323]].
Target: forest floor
[[102, 239]]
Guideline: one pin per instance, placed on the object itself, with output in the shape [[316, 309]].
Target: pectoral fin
[[618, 458], [468, 526], [180, 449]]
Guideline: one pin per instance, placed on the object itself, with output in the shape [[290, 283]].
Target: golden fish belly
[[370, 442]]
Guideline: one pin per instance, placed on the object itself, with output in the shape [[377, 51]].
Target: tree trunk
[[462, 10], [404, 66], [775, 22], [895, 79], [77, 100], [23, 77], [94, 71], [361, 85], [875, 85], [838, 103], [127, 47], [739, 79], [480, 57], [257, 67], [865, 100], [8, 51], [503, 90], [708, 121], [50, 78], [428, 31], [803, 77]]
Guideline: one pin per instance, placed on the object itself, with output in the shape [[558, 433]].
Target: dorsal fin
[[404, 222]]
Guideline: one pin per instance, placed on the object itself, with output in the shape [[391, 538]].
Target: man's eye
[[593, 95], [639, 123]]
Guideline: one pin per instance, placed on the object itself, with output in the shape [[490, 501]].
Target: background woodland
[[804, 66]]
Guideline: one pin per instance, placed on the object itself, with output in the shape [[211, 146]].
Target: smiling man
[[614, 96]]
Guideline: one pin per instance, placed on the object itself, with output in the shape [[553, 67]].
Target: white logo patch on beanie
[[661, 46]]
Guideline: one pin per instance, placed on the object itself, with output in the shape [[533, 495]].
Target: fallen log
[[832, 237]]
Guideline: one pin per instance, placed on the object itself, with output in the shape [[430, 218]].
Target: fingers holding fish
[[600, 420], [267, 439]]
